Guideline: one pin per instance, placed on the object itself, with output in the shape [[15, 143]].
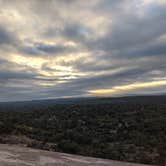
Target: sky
[[81, 48]]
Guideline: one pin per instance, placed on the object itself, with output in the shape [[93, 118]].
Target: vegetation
[[129, 129]]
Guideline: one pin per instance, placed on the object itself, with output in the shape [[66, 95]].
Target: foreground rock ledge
[[11, 155]]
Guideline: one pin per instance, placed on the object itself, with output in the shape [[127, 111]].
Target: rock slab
[[13, 155]]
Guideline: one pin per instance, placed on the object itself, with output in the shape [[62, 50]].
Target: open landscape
[[129, 129], [82, 82]]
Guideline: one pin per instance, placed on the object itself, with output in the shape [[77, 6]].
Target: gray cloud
[[66, 48], [6, 37], [73, 31], [15, 75], [48, 48], [157, 49], [131, 30], [43, 49]]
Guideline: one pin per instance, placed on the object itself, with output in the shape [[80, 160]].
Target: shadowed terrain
[[129, 129]]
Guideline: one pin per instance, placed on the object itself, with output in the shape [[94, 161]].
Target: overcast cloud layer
[[71, 48]]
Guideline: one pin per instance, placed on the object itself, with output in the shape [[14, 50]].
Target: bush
[[68, 146]]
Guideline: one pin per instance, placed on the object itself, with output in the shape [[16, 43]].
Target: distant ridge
[[86, 99]]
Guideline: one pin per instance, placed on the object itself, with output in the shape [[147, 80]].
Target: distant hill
[[89, 100]]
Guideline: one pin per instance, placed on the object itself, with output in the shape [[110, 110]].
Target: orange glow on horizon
[[133, 86]]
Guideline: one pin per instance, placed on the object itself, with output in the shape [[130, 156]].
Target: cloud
[[44, 48], [118, 89], [60, 48], [134, 27], [15, 75], [72, 31], [6, 37], [157, 49]]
